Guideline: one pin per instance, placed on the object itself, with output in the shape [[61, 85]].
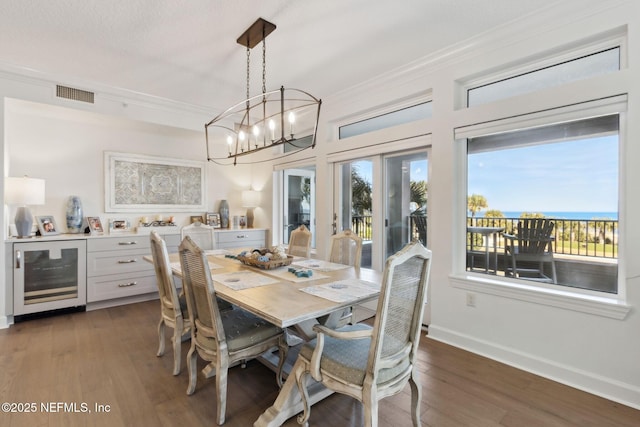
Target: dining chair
[[223, 338], [203, 235], [532, 245], [173, 308], [371, 363], [300, 242], [346, 248]]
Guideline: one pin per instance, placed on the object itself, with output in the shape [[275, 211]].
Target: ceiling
[[186, 50]]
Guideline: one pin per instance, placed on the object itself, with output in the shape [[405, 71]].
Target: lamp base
[[23, 221], [249, 217]]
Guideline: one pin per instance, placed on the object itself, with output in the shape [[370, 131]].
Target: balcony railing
[[590, 238]]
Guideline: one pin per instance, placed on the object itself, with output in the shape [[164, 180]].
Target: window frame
[[593, 302]]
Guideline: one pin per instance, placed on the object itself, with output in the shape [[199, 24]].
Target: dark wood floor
[[107, 357]]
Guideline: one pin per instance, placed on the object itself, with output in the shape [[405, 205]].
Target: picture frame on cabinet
[[95, 225], [47, 225], [213, 219], [197, 218], [119, 226]]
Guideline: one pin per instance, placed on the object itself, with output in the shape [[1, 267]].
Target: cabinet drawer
[[121, 243], [241, 238], [119, 286], [102, 263]]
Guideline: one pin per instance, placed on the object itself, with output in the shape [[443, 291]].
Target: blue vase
[[224, 214], [74, 215]]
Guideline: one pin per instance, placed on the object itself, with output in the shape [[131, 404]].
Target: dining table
[[297, 296]]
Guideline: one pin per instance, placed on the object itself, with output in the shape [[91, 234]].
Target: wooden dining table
[[290, 301]]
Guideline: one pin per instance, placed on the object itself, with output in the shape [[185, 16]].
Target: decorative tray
[[265, 265]]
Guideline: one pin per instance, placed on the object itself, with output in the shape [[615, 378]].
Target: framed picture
[[117, 226], [47, 225], [197, 218], [137, 183], [95, 225], [213, 219]]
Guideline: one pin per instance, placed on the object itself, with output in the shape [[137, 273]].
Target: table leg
[[289, 403]]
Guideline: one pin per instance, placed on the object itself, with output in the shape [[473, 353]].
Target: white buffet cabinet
[[116, 272]]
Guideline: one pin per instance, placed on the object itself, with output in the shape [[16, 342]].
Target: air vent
[[74, 94]]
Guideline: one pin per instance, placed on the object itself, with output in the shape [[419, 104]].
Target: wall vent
[[74, 94]]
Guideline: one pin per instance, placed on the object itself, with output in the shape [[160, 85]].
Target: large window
[[562, 176]]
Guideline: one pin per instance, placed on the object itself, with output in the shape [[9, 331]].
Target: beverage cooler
[[49, 275]]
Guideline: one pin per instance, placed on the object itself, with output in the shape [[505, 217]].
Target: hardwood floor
[[108, 357]]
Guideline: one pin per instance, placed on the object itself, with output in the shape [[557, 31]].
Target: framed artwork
[[95, 225], [213, 219], [197, 218], [47, 225], [139, 183], [117, 226]]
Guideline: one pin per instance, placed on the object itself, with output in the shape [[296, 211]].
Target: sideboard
[[115, 272]]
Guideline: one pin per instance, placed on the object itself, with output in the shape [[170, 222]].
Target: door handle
[[18, 259], [127, 261]]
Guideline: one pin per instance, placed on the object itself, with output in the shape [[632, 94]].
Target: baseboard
[[617, 391], [6, 321], [121, 301]]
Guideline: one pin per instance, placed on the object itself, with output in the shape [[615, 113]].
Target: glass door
[[354, 206], [299, 201], [405, 196]]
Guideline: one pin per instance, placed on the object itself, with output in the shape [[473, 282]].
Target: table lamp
[[250, 200], [22, 192]]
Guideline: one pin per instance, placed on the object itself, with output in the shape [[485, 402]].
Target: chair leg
[[370, 404], [192, 359], [416, 392], [301, 374], [221, 390], [553, 272], [160, 337], [177, 346]]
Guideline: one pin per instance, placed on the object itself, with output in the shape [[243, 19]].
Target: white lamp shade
[[22, 191], [250, 199]]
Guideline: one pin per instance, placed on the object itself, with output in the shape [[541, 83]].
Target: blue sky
[[574, 176]]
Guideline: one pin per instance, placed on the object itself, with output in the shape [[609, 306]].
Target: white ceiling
[[186, 50]]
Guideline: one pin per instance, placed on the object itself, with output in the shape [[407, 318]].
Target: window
[[565, 172], [394, 118], [579, 68]]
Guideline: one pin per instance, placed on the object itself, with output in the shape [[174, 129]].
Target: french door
[[383, 199], [299, 195]]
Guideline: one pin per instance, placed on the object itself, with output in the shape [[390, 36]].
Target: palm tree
[[361, 194], [419, 193], [475, 203]]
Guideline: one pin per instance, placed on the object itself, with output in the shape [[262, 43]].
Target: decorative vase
[[224, 214], [74, 215]]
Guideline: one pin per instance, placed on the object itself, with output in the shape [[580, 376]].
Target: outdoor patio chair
[[527, 252]]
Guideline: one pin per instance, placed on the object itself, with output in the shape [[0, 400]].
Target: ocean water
[[563, 215]]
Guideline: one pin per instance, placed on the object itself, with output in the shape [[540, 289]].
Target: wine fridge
[[49, 275]]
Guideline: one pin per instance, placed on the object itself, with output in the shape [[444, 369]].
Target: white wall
[[577, 347]]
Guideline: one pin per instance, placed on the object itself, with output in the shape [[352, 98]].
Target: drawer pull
[[127, 261], [242, 236], [126, 285], [128, 243]]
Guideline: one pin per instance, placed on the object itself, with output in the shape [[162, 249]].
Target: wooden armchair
[[173, 309], [346, 248], [300, 242], [533, 244], [367, 363], [223, 338], [201, 234]]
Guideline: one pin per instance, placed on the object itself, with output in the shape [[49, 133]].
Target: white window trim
[[596, 303]]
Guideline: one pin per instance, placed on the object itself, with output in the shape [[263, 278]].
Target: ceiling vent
[[74, 94]]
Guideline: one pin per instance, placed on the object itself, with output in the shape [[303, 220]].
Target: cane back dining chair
[[202, 234], [346, 248], [300, 242], [173, 308], [533, 246], [367, 363], [223, 338]]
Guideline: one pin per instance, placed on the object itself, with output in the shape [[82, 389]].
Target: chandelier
[[267, 120]]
